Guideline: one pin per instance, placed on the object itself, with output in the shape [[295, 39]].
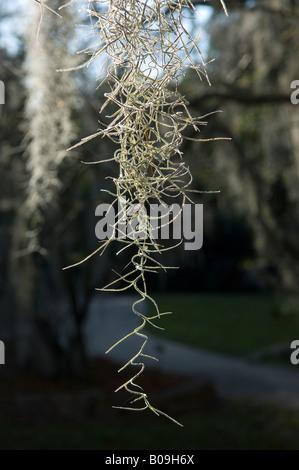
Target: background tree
[[258, 171]]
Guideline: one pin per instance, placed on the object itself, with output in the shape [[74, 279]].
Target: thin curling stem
[[148, 49]]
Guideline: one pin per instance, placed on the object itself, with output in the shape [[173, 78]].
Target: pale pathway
[[111, 318]]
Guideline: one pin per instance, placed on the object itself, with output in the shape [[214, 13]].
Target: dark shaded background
[[53, 394]]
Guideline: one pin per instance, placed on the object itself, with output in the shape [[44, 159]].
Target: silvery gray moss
[[147, 49], [49, 126]]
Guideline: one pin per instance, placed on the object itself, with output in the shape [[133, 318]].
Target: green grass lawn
[[227, 323]]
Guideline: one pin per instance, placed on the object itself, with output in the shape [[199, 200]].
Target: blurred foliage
[[229, 426], [258, 171], [250, 227], [250, 242]]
